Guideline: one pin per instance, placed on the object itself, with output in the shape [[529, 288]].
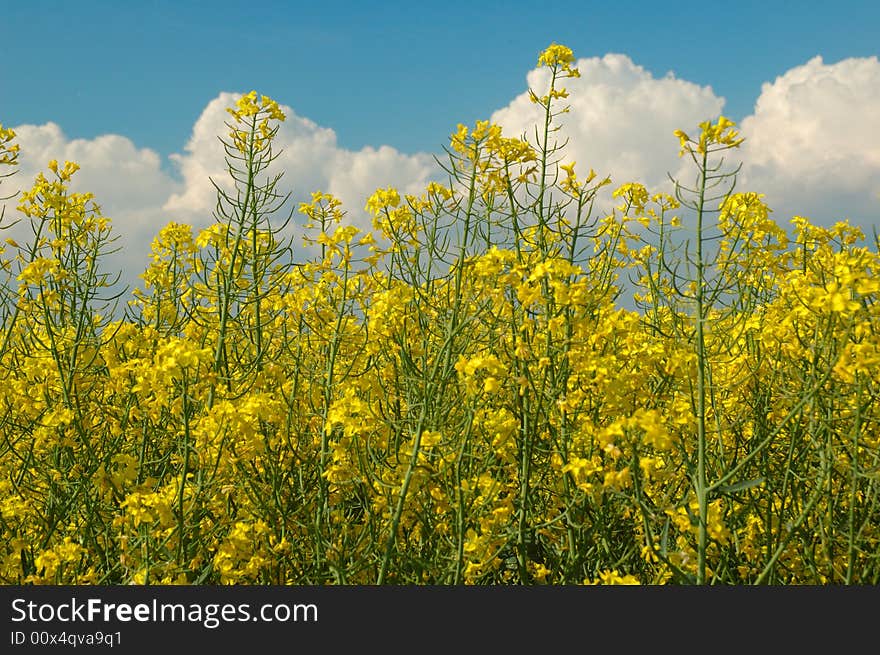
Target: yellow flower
[[382, 199], [36, 272], [613, 577], [557, 55]]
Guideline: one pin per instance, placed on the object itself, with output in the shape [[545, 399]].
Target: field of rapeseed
[[458, 396]]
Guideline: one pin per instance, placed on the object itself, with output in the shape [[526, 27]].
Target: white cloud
[[131, 188], [127, 182], [621, 118], [311, 161], [813, 142], [356, 175], [122, 176], [307, 149]]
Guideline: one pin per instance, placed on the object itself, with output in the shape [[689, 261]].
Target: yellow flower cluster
[[720, 133], [254, 116], [560, 56], [8, 150]]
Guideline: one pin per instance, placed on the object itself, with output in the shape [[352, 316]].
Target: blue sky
[[396, 73], [135, 91]]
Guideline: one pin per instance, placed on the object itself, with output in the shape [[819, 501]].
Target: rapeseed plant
[[455, 397]]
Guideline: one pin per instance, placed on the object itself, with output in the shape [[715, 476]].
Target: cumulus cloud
[[128, 183], [621, 118], [132, 189], [813, 142], [310, 158]]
